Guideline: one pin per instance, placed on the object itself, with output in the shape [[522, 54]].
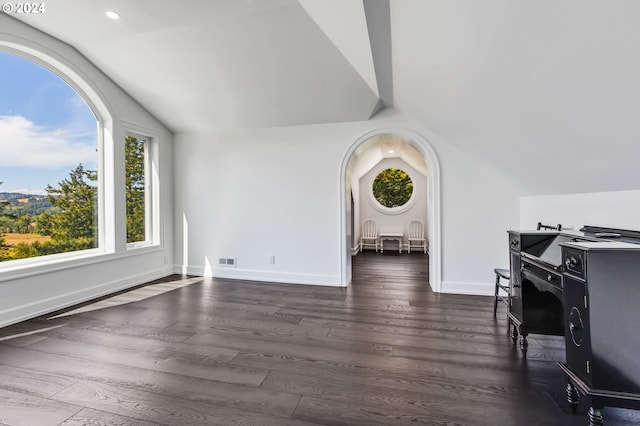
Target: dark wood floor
[[193, 351]]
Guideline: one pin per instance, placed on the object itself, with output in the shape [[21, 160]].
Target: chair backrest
[[416, 229], [370, 228], [557, 227]]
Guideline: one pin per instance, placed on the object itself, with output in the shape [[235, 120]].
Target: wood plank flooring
[[193, 351]]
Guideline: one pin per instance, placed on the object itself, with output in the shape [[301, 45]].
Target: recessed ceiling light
[[112, 14]]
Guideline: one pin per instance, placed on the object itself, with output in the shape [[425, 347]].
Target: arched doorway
[[424, 149]]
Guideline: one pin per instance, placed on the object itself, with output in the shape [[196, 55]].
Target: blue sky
[[46, 128]]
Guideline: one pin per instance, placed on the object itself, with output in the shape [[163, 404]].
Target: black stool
[[501, 274]]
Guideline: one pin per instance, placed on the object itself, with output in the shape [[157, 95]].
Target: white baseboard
[[264, 276], [41, 307], [470, 288]]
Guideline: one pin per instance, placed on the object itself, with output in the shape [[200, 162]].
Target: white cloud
[[24, 144]]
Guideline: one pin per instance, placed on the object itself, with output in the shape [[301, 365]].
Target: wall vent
[[227, 261]]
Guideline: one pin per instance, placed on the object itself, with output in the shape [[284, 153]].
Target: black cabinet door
[[577, 336], [515, 302]]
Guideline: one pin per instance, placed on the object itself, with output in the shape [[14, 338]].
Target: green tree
[[25, 250], [4, 248], [3, 206], [74, 227], [72, 220], [24, 224], [392, 187], [44, 223], [135, 188]]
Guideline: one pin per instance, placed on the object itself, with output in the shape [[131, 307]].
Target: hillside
[[25, 204]]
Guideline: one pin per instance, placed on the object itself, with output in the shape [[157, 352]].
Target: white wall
[[276, 191], [479, 205], [616, 209], [393, 222], [261, 193], [29, 291]]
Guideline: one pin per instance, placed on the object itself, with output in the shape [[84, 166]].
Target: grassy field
[[13, 239]]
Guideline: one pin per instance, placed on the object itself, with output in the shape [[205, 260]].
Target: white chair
[[369, 234], [416, 235]]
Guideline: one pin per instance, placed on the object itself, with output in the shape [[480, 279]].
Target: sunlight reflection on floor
[[132, 296]]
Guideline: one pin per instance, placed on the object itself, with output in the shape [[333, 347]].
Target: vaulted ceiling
[[207, 65], [545, 91]]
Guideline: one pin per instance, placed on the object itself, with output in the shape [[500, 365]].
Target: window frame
[[392, 210], [103, 118], [108, 106], [151, 188]]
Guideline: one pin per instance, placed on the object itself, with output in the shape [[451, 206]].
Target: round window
[[392, 188]]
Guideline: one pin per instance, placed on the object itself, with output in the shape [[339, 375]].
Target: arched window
[[49, 160]]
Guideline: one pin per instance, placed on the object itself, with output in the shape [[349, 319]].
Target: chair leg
[[495, 298]]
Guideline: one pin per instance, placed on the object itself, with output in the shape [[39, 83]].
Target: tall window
[[48, 164], [137, 189]]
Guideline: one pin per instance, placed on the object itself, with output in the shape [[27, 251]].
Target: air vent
[[227, 261]]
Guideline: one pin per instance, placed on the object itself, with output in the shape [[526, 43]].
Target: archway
[[422, 146]]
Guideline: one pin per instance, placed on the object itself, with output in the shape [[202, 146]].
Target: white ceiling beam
[[345, 24], [378, 17]]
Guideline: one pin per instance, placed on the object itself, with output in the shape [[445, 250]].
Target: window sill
[[140, 245], [65, 261]]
